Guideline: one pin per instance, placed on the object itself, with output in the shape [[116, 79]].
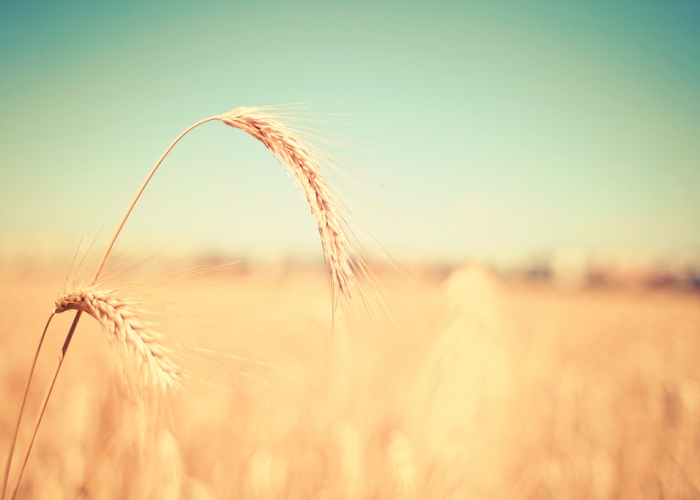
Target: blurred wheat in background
[[478, 388]]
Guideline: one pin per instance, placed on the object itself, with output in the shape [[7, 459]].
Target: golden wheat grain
[[120, 321], [288, 147]]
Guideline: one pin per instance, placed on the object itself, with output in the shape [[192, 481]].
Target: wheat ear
[[297, 156], [285, 145], [120, 321], [293, 151]]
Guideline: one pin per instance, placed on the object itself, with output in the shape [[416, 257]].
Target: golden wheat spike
[[288, 147], [124, 328]]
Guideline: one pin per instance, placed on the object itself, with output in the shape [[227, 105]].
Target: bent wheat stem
[[120, 322], [111, 243], [66, 343]]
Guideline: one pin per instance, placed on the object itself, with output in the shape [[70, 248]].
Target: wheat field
[[349, 250], [463, 386]]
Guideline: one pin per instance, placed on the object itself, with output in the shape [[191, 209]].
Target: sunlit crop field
[[460, 386]]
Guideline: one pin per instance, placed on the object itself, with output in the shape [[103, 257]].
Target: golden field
[[461, 386]]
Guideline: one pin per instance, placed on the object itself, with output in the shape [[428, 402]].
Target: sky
[[498, 128]]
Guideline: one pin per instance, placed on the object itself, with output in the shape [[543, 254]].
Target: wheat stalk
[[298, 157], [120, 321]]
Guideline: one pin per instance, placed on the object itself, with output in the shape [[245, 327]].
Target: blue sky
[[509, 127]]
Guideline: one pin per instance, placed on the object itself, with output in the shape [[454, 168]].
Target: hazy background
[[513, 129]]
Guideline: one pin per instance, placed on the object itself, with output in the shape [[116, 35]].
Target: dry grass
[[478, 390]]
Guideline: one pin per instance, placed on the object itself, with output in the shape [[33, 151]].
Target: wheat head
[[293, 152], [120, 321]]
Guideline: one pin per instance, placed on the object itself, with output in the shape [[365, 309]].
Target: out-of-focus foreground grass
[[476, 389]]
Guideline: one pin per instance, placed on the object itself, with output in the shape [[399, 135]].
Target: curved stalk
[[101, 264], [95, 276]]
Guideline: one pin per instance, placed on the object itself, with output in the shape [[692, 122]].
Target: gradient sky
[[510, 127]]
